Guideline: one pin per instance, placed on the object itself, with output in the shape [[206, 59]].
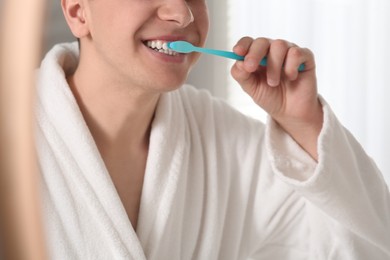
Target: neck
[[116, 115]]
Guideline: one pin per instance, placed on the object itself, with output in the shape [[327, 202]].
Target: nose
[[177, 11]]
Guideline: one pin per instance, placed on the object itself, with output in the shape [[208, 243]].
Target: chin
[[170, 87], [168, 84]]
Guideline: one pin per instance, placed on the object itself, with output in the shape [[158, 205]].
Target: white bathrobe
[[218, 185]]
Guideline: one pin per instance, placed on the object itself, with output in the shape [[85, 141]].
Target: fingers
[[253, 50], [275, 61], [283, 59], [240, 74], [242, 46], [294, 58]]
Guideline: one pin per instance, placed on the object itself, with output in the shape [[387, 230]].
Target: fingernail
[[272, 82]]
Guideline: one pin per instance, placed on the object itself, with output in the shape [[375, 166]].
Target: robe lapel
[[165, 173], [78, 162]]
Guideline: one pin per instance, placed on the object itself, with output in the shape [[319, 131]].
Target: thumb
[[242, 76]]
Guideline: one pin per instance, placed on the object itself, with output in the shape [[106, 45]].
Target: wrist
[[304, 129]]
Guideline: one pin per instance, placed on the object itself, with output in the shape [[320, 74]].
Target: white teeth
[[161, 46]]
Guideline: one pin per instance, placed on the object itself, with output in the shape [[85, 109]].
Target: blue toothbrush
[[186, 47]]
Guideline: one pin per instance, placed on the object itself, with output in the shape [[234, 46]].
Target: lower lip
[[179, 58]]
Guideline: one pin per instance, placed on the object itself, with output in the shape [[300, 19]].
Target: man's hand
[[290, 97]]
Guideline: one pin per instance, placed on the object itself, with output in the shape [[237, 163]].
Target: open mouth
[[160, 46]]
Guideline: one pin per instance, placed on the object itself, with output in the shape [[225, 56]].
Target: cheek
[[202, 23], [117, 22]]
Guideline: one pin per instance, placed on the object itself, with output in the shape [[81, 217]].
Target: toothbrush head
[[181, 46]]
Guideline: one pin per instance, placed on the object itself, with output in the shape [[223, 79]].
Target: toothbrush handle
[[226, 54], [232, 55]]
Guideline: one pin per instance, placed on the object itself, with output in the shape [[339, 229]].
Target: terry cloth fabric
[[218, 185]]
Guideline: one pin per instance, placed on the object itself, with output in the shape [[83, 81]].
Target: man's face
[[122, 32]]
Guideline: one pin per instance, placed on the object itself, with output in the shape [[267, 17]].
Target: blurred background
[[350, 39]]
